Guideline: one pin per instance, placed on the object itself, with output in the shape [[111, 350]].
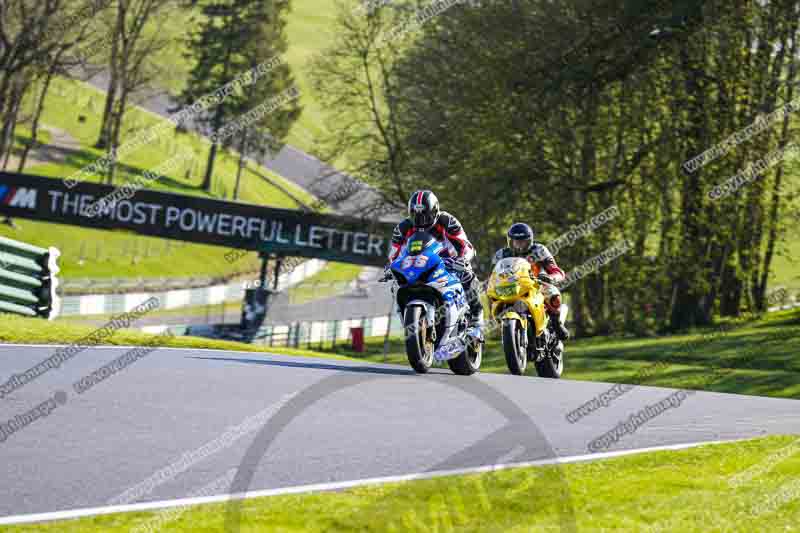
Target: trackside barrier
[[326, 334], [29, 279], [98, 304], [311, 335]]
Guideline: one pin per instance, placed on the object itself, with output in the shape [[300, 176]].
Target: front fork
[[538, 343], [542, 342], [430, 316]]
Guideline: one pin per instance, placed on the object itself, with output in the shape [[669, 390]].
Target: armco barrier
[[28, 279]]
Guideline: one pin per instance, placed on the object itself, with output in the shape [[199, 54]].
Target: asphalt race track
[[340, 421]]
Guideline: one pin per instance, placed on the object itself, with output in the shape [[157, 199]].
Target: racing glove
[[545, 278], [387, 273], [455, 264]]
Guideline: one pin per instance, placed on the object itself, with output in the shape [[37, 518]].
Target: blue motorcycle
[[432, 303]]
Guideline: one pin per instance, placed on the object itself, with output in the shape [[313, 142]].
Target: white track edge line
[[321, 487]]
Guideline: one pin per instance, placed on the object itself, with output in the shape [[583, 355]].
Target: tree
[[355, 80], [551, 112], [266, 48], [238, 37], [130, 65], [34, 37]]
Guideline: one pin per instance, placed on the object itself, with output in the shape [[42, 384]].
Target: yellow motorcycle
[[517, 303]]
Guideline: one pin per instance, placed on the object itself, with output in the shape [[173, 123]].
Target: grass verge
[[691, 358], [690, 490], [22, 330]]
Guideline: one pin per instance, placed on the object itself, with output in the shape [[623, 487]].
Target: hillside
[[309, 33]]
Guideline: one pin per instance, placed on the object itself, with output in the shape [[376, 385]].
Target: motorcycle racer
[[424, 214], [521, 243]]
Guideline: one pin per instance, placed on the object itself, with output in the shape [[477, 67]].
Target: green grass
[[119, 254], [775, 371], [785, 268], [22, 330], [23, 137], [115, 258], [325, 283], [688, 490], [81, 99], [309, 32]]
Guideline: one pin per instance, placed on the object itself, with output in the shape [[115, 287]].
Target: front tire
[[418, 348], [516, 358], [469, 361]]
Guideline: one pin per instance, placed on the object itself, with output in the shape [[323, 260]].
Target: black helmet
[[520, 239], [423, 209]]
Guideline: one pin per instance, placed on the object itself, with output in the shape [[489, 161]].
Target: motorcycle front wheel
[[513, 346], [551, 366], [419, 348], [469, 361]]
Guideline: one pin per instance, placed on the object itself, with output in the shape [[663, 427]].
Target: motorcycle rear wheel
[[513, 346], [419, 349]]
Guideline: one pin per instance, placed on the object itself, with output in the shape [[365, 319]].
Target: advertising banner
[[196, 219]]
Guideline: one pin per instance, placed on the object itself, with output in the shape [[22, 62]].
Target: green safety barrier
[[28, 279]]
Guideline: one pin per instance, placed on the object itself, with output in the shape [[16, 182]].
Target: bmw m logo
[[18, 197]]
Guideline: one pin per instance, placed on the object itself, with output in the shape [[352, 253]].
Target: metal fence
[[135, 249], [113, 285], [326, 334], [312, 335]]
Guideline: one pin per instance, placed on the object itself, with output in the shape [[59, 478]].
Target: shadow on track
[[317, 366]]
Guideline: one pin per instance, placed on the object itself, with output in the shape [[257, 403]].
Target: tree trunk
[[10, 120], [106, 124], [687, 311], [117, 116], [36, 118], [10, 124], [731, 288], [212, 155], [242, 149], [4, 103], [775, 201]]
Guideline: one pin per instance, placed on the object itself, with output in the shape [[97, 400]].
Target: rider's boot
[[553, 308], [475, 311], [561, 331], [475, 326]]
